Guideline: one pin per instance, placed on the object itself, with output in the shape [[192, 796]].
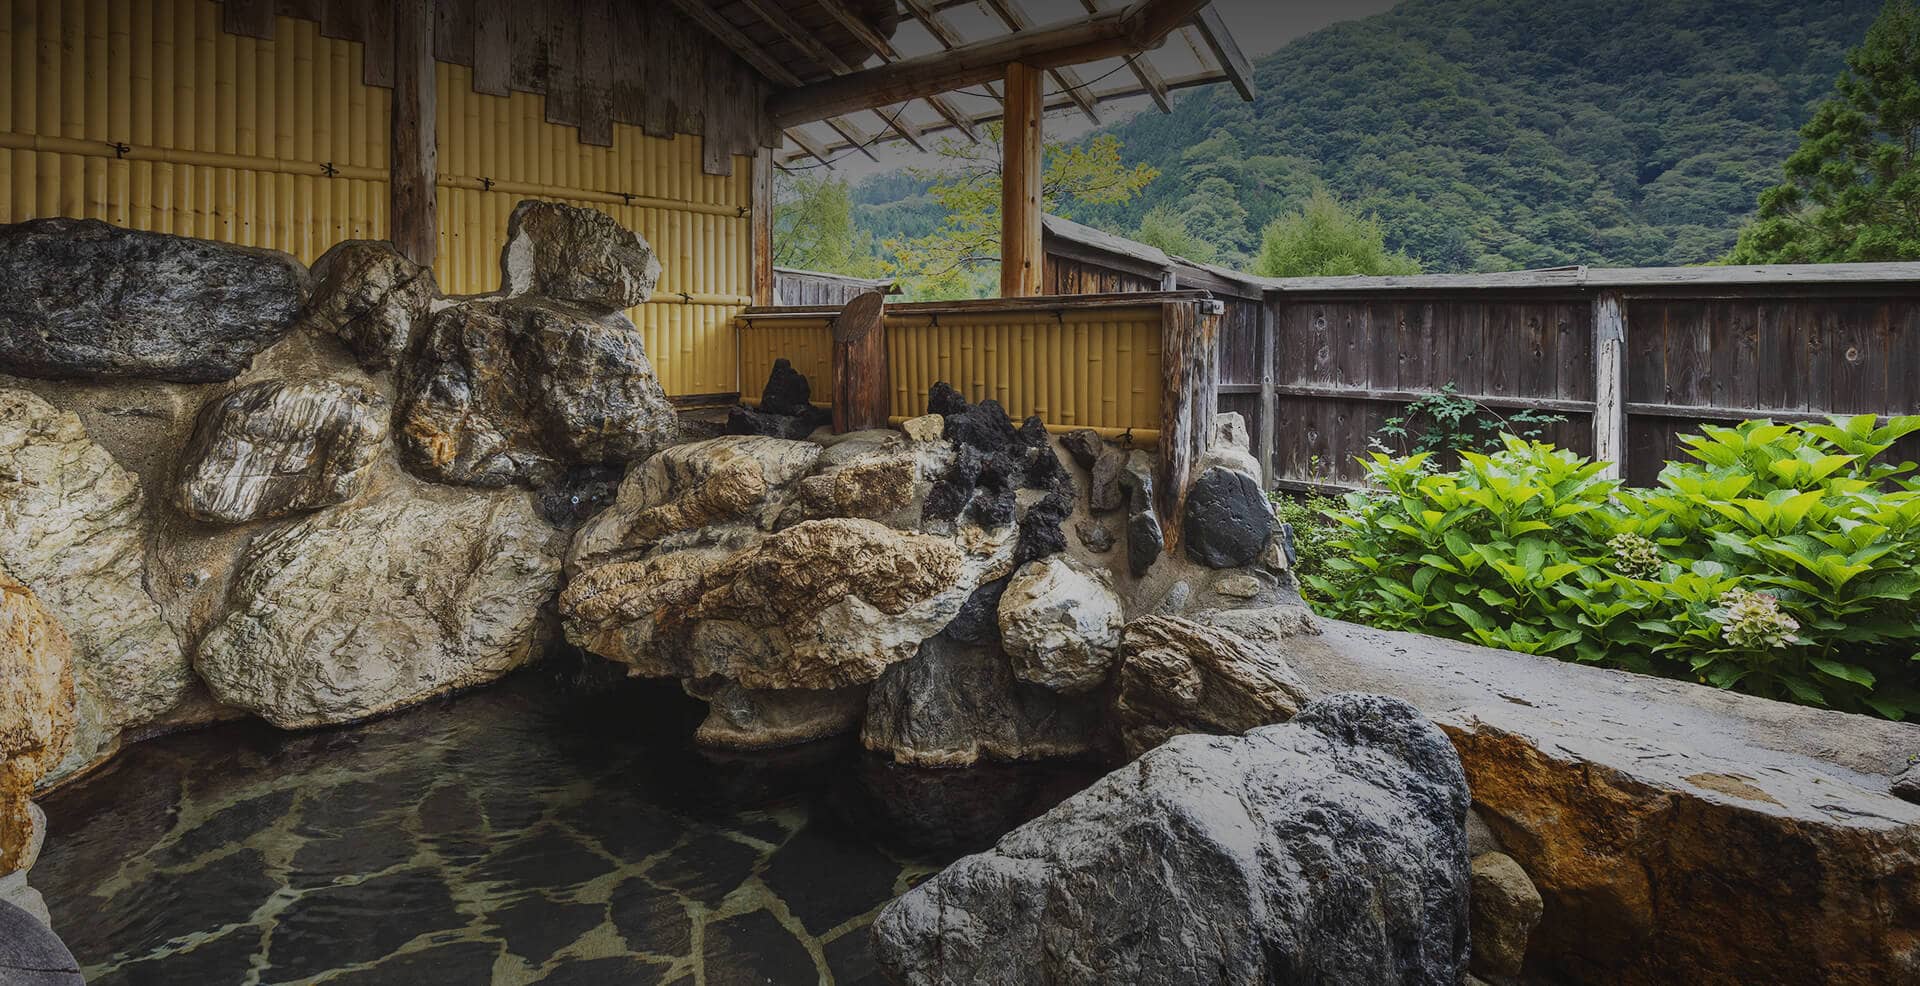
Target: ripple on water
[[530, 832]]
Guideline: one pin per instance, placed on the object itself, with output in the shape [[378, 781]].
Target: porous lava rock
[[517, 390], [1085, 445], [1227, 520], [371, 606], [1330, 850], [80, 298], [1041, 529], [954, 704], [576, 254], [942, 399], [1178, 675], [371, 298], [787, 391], [72, 527], [1060, 623], [36, 713], [279, 447]]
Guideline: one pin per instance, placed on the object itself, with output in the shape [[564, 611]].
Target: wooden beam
[[1610, 383], [412, 223], [803, 39], [881, 47], [1022, 255], [1232, 60], [929, 18], [812, 147], [724, 32], [1108, 34], [1015, 18], [862, 395], [856, 138], [761, 229], [1189, 397], [1143, 70]]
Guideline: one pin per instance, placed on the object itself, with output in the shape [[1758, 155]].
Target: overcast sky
[[1260, 27]]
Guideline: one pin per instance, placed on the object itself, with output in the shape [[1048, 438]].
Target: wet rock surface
[[1331, 849], [955, 704], [576, 254], [1060, 622], [1178, 676], [36, 716], [516, 390], [81, 298], [527, 834], [1228, 519], [280, 447], [371, 606], [30, 955], [371, 298]]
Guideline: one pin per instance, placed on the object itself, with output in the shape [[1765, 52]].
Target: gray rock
[[30, 954], [954, 704], [1228, 519], [1906, 787], [1505, 909], [1096, 536], [1145, 541], [1085, 445], [15, 891], [375, 605], [759, 719], [1181, 676], [1060, 623], [1329, 850], [82, 299], [372, 298], [515, 391], [280, 447], [72, 528], [1108, 491], [578, 255]]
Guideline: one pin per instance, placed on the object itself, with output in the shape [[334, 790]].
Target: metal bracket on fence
[[120, 150], [626, 197], [486, 184], [685, 298], [327, 169]]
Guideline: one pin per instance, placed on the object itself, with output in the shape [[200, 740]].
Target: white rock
[[1061, 624], [925, 428], [375, 605]]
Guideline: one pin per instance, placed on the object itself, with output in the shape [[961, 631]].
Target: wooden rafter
[[1015, 18], [1107, 34], [796, 34], [1143, 70], [881, 47], [1226, 51], [929, 18], [812, 147]]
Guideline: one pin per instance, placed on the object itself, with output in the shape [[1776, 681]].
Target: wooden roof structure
[[849, 74]]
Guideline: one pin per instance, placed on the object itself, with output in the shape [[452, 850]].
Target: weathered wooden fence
[[807, 287], [1631, 358]]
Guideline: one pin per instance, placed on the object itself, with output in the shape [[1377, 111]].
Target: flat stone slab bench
[[1678, 833]]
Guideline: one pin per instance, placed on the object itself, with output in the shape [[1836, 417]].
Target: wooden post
[[1189, 397], [1269, 396], [1610, 383], [762, 227], [412, 220], [861, 396], [1021, 251]]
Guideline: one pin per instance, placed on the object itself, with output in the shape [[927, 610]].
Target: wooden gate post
[[1021, 251], [412, 219], [861, 396], [1610, 383], [1189, 398]]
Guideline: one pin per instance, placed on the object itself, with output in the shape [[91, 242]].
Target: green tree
[[1853, 188], [1162, 227], [1325, 239], [957, 259], [813, 228]]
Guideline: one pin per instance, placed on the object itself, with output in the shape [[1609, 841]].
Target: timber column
[[412, 219], [1021, 256]]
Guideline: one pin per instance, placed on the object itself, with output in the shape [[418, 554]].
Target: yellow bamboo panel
[[1017, 358]]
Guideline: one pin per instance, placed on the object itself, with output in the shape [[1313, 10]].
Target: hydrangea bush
[[1782, 560]]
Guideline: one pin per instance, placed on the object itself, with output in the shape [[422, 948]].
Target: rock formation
[[954, 704], [1060, 623], [370, 606], [83, 299], [755, 719], [1505, 909], [515, 390], [370, 297], [72, 529], [577, 255], [36, 714], [1329, 850], [1182, 676], [280, 447]]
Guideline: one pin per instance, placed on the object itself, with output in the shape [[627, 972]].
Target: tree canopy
[[813, 227], [1853, 188], [1324, 239]]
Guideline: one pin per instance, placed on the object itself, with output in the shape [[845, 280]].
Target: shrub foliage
[[1783, 560]]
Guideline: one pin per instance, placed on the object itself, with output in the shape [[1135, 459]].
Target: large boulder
[[822, 604], [579, 255], [516, 390], [36, 713], [371, 606], [1179, 675], [1060, 622], [72, 527], [280, 447], [955, 704], [1329, 850], [1676, 832], [83, 299], [371, 298], [1227, 520]]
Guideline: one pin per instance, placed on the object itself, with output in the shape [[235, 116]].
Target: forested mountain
[[1495, 134]]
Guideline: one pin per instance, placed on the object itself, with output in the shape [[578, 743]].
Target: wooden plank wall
[[1344, 363], [803, 289], [1065, 275], [597, 62]]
